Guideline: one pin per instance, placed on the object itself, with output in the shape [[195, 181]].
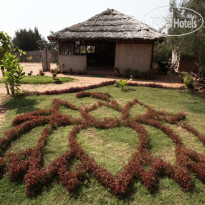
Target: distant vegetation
[[192, 45], [26, 40]]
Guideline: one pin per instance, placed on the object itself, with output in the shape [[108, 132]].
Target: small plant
[[57, 70], [187, 79], [54, 75], [41, 73], [117, 71], [122, 83], [70, 71], [127, 72], [137, 74], [30, 73], [57, 81], [148, 74], [29, 59]]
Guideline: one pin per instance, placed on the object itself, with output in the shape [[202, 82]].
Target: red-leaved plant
[[28, 164]]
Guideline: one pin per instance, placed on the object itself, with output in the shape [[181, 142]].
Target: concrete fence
[[37, 56]]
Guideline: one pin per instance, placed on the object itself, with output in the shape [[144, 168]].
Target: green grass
[[32, 79], [111, 148]]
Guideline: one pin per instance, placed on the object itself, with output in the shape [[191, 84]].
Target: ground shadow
[[126, 90], [20, 104]]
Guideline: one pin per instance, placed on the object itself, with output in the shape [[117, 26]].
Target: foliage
[[29, 58], [28, 163], [192, 45], [13, 73], [117, 71], [128, 73], [78, 89], [52, 45], [121, 84], [162, 50], [111, 148], [41, 73], [56, 70], [187, 79], [27, 40], [58, 81], [5, 44]]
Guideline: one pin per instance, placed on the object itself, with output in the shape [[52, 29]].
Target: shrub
[[41, 73], [57, 81], [29, 58], [117, 71], [187, 79], [28, 163], [13, 73], [122, 83], [70, 71], [127, 72]]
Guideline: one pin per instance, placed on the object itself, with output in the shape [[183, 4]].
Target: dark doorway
[[102, 55]]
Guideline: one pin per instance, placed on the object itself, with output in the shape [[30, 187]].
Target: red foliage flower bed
[[28, 164]]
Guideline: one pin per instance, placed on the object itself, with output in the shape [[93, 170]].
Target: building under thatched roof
[[109, 38]]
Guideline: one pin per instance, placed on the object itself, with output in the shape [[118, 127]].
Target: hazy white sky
[[54, 15]]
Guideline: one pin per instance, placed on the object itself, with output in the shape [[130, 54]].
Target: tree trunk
[[7, 88], [12, 91]]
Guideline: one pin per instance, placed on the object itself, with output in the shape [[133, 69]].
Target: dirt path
[[79, 81], [170, 80]]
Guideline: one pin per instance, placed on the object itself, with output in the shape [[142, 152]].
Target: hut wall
[[77, 63], [133, 56]]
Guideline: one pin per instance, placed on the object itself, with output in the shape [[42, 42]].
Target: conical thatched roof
[[109, 24]]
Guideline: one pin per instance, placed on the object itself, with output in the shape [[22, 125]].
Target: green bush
[[127, 73], [13, 73], [117, 71], [187, 79]]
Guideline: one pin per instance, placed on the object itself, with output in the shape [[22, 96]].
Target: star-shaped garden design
[[28, 164]]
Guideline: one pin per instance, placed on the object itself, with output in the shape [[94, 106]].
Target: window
[[90, 49], [67, 48]]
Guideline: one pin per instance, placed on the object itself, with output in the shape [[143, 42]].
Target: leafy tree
[[192, 45], [162, 50], [11, 70], [5, 46], [27, 40], [13, 73]]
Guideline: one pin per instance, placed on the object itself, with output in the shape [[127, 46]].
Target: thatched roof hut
[[107, 38], [109, 24]]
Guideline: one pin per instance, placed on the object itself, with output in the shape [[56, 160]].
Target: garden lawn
[[110, 148], [32, 79]]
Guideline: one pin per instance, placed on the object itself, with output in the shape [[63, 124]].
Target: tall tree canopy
[[27, 40], [192, 45]]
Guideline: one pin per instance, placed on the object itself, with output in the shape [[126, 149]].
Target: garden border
[[83, 88], [27, 163]]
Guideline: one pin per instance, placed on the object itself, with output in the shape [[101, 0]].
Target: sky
[[54, 15]]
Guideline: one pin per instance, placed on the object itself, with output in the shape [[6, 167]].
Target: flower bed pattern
[[78, 89], [28, 164]]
